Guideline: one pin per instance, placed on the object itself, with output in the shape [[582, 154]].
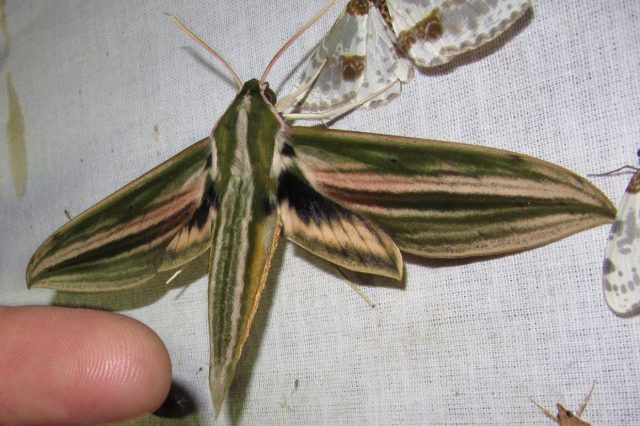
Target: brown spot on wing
[[358, 7], [352, 66], [429, 29]]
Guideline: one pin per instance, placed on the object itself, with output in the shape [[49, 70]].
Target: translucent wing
[[357, 58], [433, 32], [368, 47], [621, 276]]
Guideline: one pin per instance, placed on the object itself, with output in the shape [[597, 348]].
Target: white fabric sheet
[[111, 89]]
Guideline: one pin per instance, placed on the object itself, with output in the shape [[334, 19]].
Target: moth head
[[269, 94], [255, 87]]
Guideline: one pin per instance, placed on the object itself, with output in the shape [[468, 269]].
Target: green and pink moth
[[354, 199]]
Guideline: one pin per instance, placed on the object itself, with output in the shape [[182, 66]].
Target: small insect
[[374, 45], [566, 417], [621, 277]]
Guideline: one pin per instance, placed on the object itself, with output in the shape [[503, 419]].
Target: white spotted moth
[[621, 267]]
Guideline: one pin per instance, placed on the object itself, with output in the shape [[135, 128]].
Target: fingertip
[[66, 365]]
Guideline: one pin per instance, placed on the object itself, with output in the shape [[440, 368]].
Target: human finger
[[67, 366]]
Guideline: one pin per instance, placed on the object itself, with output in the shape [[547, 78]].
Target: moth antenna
[[610, 172], [201, 42], [339, 110], [297, 35]]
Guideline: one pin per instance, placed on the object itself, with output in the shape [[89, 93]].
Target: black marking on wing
[[288, 151], [268, 206], [201, 214], [307, 202]]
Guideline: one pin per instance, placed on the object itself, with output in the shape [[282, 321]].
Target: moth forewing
[[621, 275], [432, 32], [448, 200], [376, 42], [121, 241]]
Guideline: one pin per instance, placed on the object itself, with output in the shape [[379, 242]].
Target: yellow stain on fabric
[[3, 28], [15, 136]]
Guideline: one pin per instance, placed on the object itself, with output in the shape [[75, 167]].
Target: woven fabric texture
[[110, 89]]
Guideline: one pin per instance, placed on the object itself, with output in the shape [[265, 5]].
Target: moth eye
[[270, 95]]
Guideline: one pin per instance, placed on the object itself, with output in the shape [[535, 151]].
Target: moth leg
[[289, 100], [339, 110], [355, 287]]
